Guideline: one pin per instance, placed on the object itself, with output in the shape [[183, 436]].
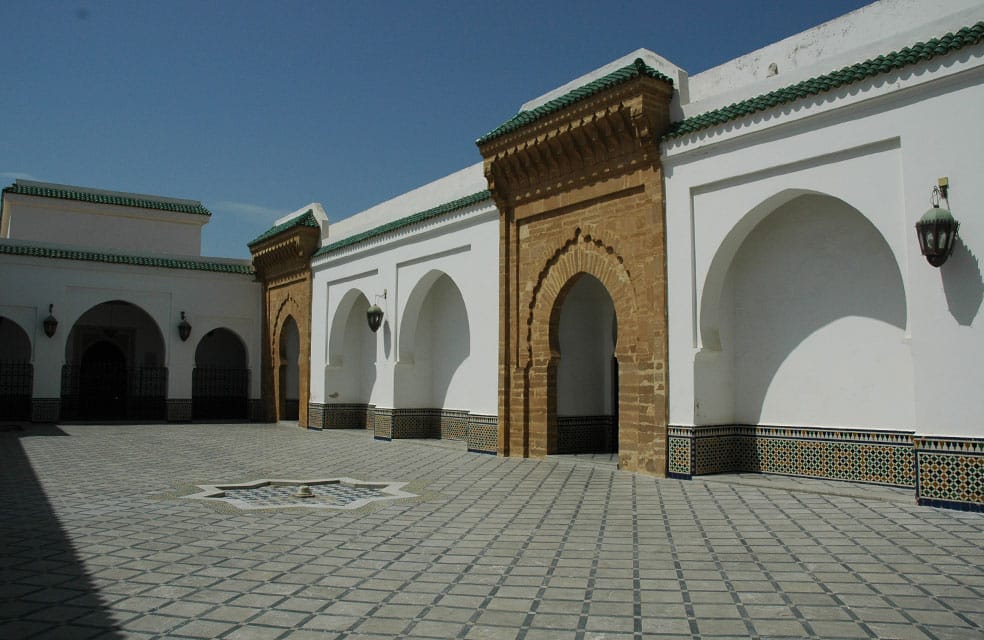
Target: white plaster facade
[[109, 263], [437, 283], [797, 292]]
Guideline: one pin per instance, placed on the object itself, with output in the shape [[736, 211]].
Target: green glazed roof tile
[[523, 118], [60, 253], [66, 192], [920, 51], [447, 207], [306, 219]]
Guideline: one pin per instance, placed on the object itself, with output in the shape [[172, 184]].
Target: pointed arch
[[433, 345], [804, 302], [640, 371], [350, 375]]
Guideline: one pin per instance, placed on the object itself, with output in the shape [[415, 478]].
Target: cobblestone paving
[[94, 543]]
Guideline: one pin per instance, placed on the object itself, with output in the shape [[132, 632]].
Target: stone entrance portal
[[578, 183]]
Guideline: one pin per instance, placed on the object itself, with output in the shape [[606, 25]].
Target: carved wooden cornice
[[612, 132], [287, 253]]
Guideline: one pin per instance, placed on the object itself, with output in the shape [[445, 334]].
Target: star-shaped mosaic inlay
[[332, 493]]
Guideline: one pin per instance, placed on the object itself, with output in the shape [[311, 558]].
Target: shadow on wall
[[819, 310], [41, 569], [962, 283]]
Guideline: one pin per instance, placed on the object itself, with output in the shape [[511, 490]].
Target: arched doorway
[[103, 382], [586, 370], [288, 378], [114, 366], [16, 372], [220, 381]]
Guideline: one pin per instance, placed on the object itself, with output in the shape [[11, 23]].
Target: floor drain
[[332, 493]]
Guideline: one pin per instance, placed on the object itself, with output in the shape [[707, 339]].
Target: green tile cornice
[[65, 192], [635, 70], [64, 253], [447, 207], [306, 219], [919, 52]]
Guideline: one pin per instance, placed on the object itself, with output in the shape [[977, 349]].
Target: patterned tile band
[[944, 471], [950, 472]]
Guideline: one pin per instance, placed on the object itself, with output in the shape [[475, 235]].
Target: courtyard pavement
[[97, 540]]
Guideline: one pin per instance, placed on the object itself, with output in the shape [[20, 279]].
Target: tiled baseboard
[[944, 471], [481, 432]]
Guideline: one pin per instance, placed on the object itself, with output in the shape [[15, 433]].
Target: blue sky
[[258, 108]]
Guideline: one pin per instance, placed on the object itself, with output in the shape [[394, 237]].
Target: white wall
[[210, 300], [879, 147], [94, 226], [463, 246]]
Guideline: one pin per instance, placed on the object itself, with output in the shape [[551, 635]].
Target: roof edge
[[447, 207], [905, 57], [637, 69], [101, 196], [187, 263]]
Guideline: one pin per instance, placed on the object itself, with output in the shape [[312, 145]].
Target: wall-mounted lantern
[[937, 229], [375, 315], [184, 328], [49, 323]]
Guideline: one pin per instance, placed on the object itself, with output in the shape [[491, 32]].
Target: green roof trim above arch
[[306, 219], [635, 70], [96, 196], [59, 253], [919, 52], [421, 216]]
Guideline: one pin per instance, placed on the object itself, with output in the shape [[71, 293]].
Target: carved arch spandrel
[[582, 253]]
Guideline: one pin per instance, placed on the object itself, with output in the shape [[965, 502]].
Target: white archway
[[434, 343], [351, 372], [803, 319]]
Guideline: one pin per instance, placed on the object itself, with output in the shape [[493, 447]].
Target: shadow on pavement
[[45, 591]]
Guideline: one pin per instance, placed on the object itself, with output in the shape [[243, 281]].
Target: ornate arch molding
[[288, 308], [580, 254]]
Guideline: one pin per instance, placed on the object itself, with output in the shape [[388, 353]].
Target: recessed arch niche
[[434, 344], [803, 318], [351, 372]]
